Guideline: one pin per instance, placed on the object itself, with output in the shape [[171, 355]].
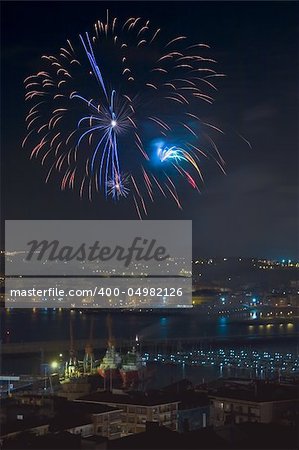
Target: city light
[[54, 365]]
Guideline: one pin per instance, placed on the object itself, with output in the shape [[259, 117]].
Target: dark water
[[43, 325]]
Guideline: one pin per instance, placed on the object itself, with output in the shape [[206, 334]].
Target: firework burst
[[98, 107]]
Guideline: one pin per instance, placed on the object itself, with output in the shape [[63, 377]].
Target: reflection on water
[[45, 324], [223, 326], [167, 374]]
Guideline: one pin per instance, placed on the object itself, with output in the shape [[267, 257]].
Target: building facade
[[136, 411], [228, 410]]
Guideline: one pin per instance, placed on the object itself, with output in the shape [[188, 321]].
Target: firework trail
[[117, 113]]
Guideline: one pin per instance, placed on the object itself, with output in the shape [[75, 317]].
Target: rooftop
[[89, 408], [65, 422], [243, 436], [132, 398], [77, 413], [62, 440], [159, 437], [23, 425], [184, 391], [179, 386], [256, 391]]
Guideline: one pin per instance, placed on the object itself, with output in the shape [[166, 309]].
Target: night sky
[[251, 211]]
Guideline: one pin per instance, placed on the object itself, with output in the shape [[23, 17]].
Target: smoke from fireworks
[[99, 107]]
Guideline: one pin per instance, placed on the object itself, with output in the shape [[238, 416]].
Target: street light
[[54, 365]]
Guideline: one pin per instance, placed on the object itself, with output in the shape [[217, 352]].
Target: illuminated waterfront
[[239, 344]]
